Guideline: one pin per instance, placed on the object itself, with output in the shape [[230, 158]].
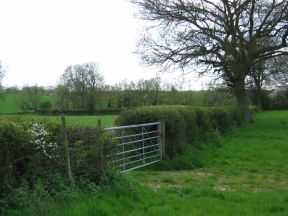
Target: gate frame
[[160, 143]]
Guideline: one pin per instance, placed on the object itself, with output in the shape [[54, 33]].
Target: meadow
[[246, 175]]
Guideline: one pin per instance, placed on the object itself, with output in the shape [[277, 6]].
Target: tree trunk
[[243, 105], [259, 98], [258, 94]]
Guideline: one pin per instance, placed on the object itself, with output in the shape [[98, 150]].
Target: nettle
[[42, 139]]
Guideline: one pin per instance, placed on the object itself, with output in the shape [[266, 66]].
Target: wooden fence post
[[66, 147], [162, 137], [99, 125]]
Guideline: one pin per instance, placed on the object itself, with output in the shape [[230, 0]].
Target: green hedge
[[184, 124]]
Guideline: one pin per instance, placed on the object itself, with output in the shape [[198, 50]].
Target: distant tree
[[221, 36], [83, 82], [30, 97], [12, 89], [149, 90], [62, 97], [273, 73]]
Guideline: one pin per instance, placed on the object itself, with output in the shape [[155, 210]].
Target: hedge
[[184, 124], [31, 150], [173, 122]]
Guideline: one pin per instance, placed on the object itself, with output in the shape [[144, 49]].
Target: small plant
[[40, 137]]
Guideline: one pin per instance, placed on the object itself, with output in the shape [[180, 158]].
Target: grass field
[[8, 103], [248, 175], [106, 120]]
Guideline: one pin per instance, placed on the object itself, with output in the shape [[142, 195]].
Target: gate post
[[99, 125], [162, 138], [66, 147]]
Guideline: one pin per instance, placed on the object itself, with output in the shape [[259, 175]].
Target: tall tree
[[220, 36]]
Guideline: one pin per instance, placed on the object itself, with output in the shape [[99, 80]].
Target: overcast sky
[[40, 38]]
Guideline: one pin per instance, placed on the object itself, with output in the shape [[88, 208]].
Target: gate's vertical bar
[[143, 145]]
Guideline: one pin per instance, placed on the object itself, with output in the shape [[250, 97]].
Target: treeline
[[82, 90], [112, 99]]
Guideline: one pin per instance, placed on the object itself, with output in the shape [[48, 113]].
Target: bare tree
[[220, 36]]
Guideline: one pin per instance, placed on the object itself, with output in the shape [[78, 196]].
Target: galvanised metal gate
[[138, 145]]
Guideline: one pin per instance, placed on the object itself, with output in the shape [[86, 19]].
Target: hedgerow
[[184, 124]]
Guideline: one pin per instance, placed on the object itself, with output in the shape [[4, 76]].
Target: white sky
[[40, 38]]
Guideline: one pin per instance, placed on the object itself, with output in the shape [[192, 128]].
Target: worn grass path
[[248, 175]]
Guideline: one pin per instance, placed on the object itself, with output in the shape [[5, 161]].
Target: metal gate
[[138, 145]]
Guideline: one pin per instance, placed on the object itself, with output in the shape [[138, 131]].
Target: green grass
[[248, 175]]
